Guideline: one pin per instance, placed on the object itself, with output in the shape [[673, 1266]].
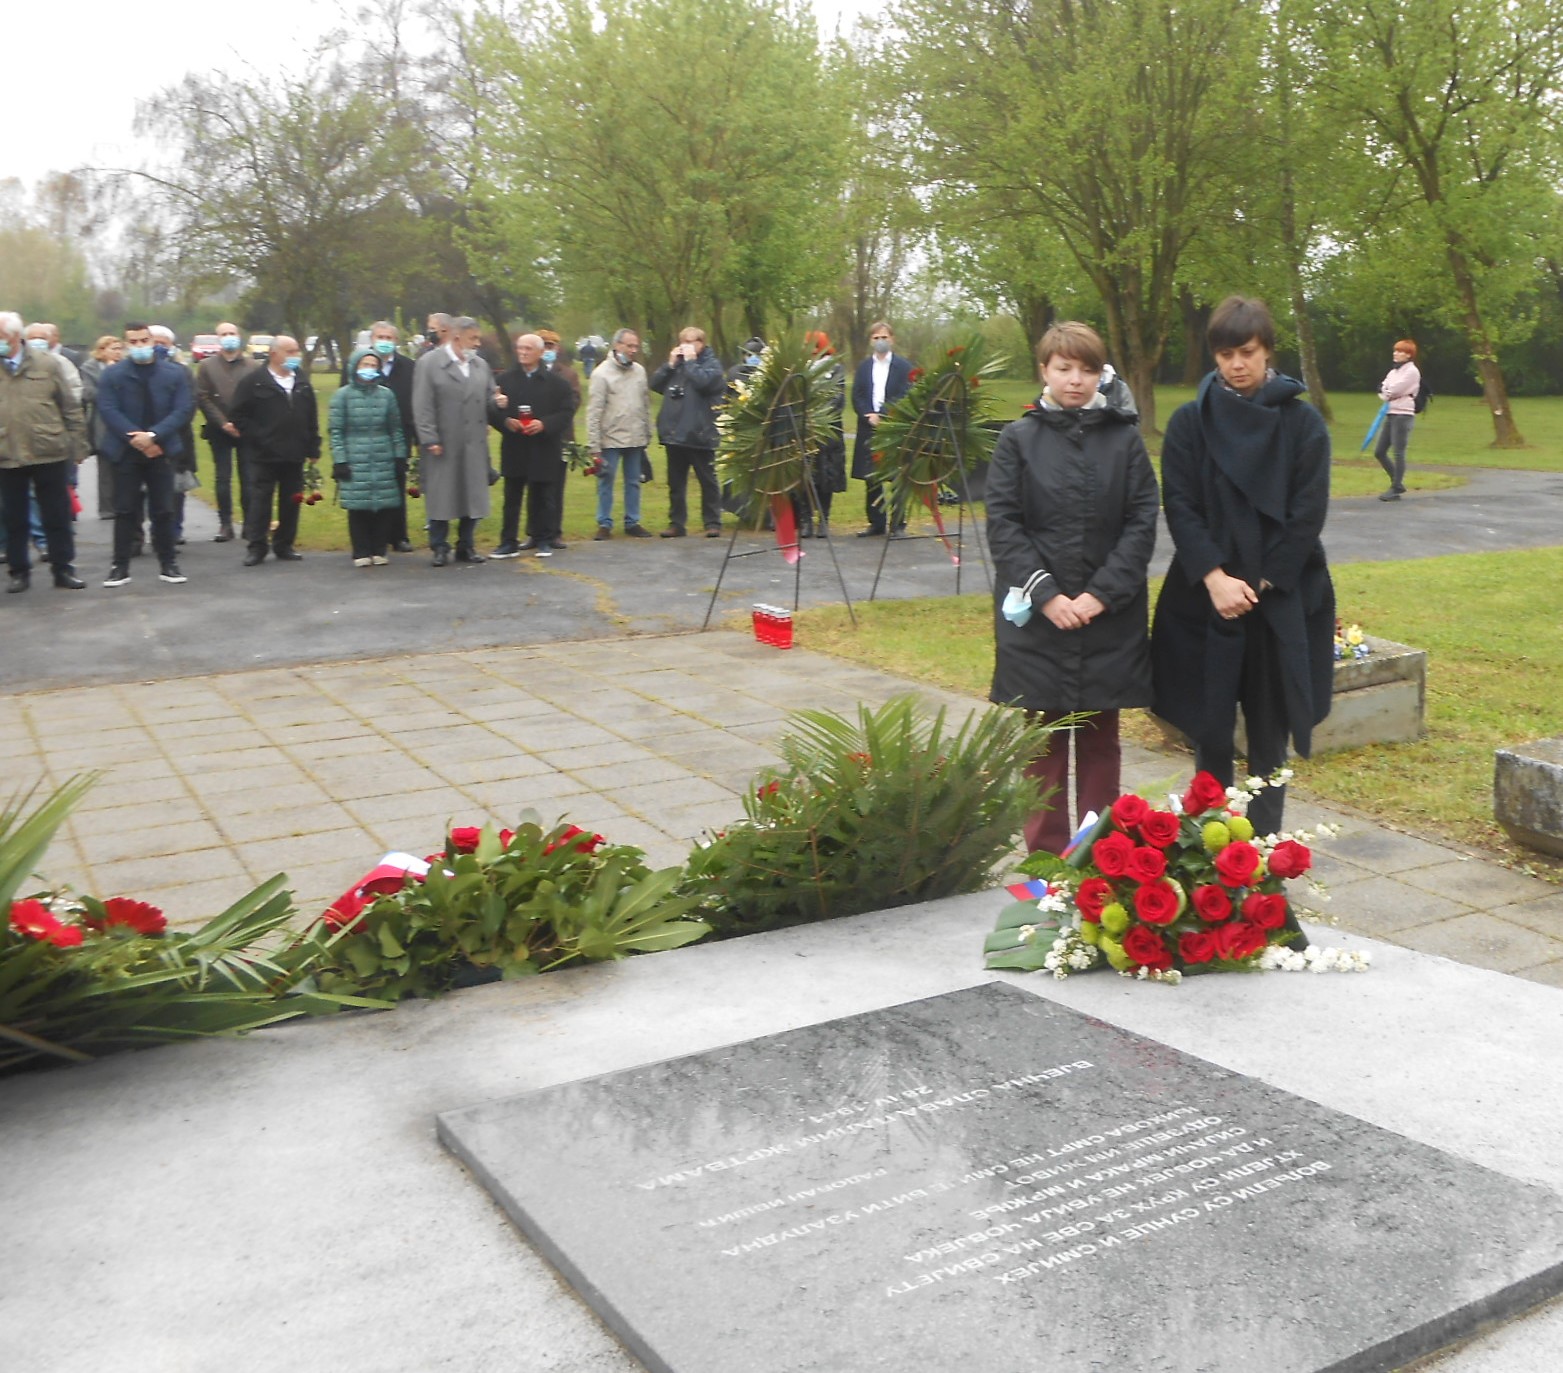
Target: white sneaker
[[363, 562], [379, 562]]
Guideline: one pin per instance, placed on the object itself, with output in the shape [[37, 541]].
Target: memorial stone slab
[[987, 1181]]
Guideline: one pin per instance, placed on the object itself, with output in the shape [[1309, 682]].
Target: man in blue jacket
[[882, 378], [145, 404]]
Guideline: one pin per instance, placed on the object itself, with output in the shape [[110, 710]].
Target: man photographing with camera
[[691, 383]]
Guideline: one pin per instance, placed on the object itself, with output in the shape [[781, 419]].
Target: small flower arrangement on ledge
[[1157, 894], [1350, 642]]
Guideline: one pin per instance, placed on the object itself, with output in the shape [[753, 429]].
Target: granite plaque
[[986, 1181]]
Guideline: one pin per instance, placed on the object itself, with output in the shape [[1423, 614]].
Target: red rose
[[915, 375], [1238, 939], [298, 498], [505, 836], [1237, 863], [1157, 903], [1197, 946], [1094, 893], [1212, 903], [1146, 948], [587, 845], [140, 916], [1204, 793], [1129, 810], [1290, 859], [464, 838], [975, 383], [387, 885], [1111, 853], [1160, 827], [1265, 910], [955, 352], [414, 492], [1147, 865]]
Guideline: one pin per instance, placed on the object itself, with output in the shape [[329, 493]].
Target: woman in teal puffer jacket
[[366, 441]]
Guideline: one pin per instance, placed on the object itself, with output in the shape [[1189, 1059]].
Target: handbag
[[185, 481]]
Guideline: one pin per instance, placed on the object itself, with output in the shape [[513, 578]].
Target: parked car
[[204, 346], [260, 346]]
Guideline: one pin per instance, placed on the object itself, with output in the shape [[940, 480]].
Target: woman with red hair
[[1399, 393], [828, 464]]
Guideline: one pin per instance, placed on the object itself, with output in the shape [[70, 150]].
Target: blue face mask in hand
[[1017, 606]]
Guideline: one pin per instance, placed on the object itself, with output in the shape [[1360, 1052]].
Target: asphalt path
[[228, 617]]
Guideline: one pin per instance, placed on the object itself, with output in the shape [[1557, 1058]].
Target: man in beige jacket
[[618, 428]]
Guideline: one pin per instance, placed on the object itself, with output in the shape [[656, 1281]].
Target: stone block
[[1527, 794]]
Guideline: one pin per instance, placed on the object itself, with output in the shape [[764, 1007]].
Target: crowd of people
[[401, 424]]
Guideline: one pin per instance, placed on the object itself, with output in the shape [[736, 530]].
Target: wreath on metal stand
[[769, 428], [933, 436]]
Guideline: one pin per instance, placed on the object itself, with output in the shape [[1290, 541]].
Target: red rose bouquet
[[1156, 893]]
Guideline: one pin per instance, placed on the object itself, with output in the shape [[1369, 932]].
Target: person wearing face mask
[[1246, 616], [105, 353], [558, 361], [41, 433], [165, 346], [367, 445], [618, 428], [536, 414], [690, 383], [279, 431], [1071, 522], [396, 377], [882, 378], [146, 403], [216, 379]]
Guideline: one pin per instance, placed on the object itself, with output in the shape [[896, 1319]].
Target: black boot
[[441, 555]]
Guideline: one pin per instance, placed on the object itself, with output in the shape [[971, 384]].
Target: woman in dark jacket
[[367, 443], [1247, 613], [1071, 502], [828, 463]]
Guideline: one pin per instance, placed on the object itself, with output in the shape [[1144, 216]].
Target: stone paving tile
[[516, 794], [652, 799], [131, 754], [276, 797], [352, 746], [211, 783], [1387, 851], [720, 709], [245, 756], [1482, 941], [316, 731], [618, 753], [198, 733], [1549, 973], [398, 808], [322, 846], [315, 885], [244, 830], [175, 870], [612, 778], [1383, 907], [125, 787], [151, 838], [1335, 873], [501, 767], [553, 732], [1545, 915], [1476, 883], [690, 823]]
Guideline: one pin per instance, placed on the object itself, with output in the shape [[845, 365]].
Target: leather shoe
[[441, 556], [527, 545], [224, 535], [637, 531], [871, 533], [287, 555], [20, 581], [469, 555], [603, 532], [557, 546], [66, 579], [255, 557], [672, 532], [404, 546]]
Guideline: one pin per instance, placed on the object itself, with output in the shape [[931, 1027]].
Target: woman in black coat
[[1071, 503], [1247, 613]]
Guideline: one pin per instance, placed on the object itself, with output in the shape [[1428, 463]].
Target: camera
[[675, 393]]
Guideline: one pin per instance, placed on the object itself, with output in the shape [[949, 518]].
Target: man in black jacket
[[279, 431], [882, 379], [691, 383], [538, 417]]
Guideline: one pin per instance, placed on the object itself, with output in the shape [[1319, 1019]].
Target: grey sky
[[103, 55]]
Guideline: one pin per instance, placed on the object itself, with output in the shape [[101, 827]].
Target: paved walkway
[[324, 610], [216, 782]]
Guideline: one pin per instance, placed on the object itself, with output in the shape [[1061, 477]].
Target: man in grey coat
[[452, 390]]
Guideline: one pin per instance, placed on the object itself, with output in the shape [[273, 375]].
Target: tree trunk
[[1495, 390], [1196, 318]]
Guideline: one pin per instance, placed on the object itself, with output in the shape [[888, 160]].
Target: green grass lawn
[[1490, 623], [1455, 432]]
